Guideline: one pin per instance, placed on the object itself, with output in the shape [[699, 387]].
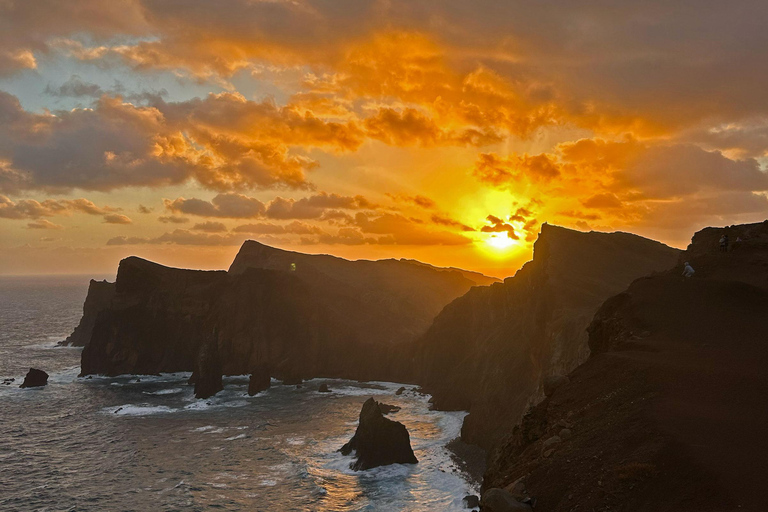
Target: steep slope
[[297, 315], [669, 411], [489, 351]]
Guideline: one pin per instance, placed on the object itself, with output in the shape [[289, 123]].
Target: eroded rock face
[[378, 441], [491, 350], [35, 378]]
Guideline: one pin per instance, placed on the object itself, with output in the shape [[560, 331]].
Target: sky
[[442, 130]]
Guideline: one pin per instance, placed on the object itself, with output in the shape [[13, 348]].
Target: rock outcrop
[[259, 380], [378, 441], [35, 378], [300, 315], [491, 350], [668, 412]]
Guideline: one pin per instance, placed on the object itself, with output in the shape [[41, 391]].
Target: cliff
[[490, 351], [100, 294], [668, 413], [296, 314]]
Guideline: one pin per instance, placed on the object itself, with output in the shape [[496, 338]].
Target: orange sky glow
[[442, 131]]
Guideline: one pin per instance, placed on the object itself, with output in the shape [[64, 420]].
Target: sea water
[[145, 443]]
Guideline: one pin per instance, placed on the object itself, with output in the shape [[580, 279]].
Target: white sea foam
[[138, 410], [171, 391], [239, 436]]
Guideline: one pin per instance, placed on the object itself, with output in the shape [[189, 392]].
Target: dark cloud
[[172, 219], [75, 87], [442, 220], [235, 206]]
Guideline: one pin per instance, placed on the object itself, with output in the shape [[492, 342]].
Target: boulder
[[208, 373], [565, 433], [324, 388], [471, 501], [259, 381], [499, 500], [386, 408], [378, 441], [400, 390], [549, 443], [34, 378]]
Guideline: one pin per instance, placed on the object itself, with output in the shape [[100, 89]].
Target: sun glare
[[500, 241]]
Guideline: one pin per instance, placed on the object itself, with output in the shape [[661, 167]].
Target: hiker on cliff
[[724, 243], [688, 270]]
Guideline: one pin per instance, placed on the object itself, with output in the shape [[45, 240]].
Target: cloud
[[230, 205], [180, 237], [315, 206], [75, 87], [116, 218], [144, 209], [449, 222], [496, 225], [172, 219], [418, 200], [210, 227], [43, 224], [411, 127], [33, 209], [223, 142], [498, 171], [404, 231]]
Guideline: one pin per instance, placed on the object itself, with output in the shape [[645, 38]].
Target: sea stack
[[378, 441], [34, 379], [208, 375]]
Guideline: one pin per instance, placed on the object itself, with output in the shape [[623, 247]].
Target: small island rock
[[34, 378], [378, 441]]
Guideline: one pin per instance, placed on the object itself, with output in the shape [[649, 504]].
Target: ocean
[[145, 443]]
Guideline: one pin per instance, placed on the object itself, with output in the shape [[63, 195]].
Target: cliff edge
[[491, 350], [669, 411]]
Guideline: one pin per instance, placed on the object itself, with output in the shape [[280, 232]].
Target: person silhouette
[[688, 270]]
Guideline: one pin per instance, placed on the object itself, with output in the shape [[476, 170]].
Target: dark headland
[[597, 378]]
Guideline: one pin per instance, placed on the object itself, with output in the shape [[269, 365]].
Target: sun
[[499, 241]]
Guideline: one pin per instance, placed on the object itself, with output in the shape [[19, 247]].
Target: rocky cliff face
[[668, 412], [298, 315], [99, 298], [489, 351]]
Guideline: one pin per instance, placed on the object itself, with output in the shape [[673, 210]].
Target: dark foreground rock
[[208, 375], [34, 378], [259, 381], [471, 501], [499, 500], [324, 388], [668, 413], [378, 441]]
